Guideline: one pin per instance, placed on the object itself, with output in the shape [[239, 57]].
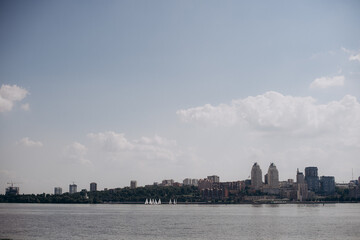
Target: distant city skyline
[[109, 92]]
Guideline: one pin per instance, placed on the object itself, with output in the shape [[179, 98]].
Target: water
[[58, 221]]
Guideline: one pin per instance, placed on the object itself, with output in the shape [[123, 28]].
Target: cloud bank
[[76, 153], [146, 147], [27, 142], [355, 57], [274, 112], [9, 95], [325, 82]]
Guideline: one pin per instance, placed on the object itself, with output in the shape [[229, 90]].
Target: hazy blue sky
[[111, 91]]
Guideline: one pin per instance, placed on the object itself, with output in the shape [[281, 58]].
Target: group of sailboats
[[154, 202]]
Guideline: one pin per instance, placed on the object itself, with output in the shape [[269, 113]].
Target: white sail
[[175, 201], [170, 202], [159, 202], [146, 201]]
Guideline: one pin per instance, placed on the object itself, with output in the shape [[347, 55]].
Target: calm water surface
[[57, 221]]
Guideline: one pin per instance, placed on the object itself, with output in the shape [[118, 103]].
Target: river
[[120, 221]]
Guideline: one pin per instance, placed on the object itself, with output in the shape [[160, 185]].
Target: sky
[[114, 91]]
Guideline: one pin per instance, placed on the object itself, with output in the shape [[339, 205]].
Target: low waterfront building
[[212, 194]]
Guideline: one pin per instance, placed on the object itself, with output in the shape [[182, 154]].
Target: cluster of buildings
[[306, 187], [73, 189], [258, 187]]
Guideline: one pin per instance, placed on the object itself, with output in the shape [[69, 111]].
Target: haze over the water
[[113, 91]]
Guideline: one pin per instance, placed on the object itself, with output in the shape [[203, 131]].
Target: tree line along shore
[[182, 195]]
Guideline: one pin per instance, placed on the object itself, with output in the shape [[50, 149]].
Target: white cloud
[[30, 143], [111, 141], [146, 147], [345, 50], [76, 152], [9, 95], [325, 82], [355, 57], [219, 115], [156, 140], [25, 107], [274, 112]]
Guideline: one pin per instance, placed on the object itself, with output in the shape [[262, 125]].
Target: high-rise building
[[72, 188], [12, 190], [312, 179], [256, 176], [327, 185], [57, 190], [214, 178], [190, 182], [167, 182], [205, 184], [194, 182], [133, 184], [300, 177], [273, 176], [93, 187], [187, 182], [266, 179], [301, 187]]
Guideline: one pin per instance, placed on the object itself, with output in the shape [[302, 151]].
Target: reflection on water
[[276, 221]]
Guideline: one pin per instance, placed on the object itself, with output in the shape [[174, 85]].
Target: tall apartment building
[[312, 179], [327, 185], [190, 182], [72, 188], [133, 184], [273, 176], [214, 178], [167, 182], [256, 177], [194, 182], [57, 190], [187, 182], [12, 190], [300, 177], [93, 187]]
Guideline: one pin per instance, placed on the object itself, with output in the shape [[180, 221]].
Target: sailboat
[[159, 202], [146, 202], [170, 201]]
